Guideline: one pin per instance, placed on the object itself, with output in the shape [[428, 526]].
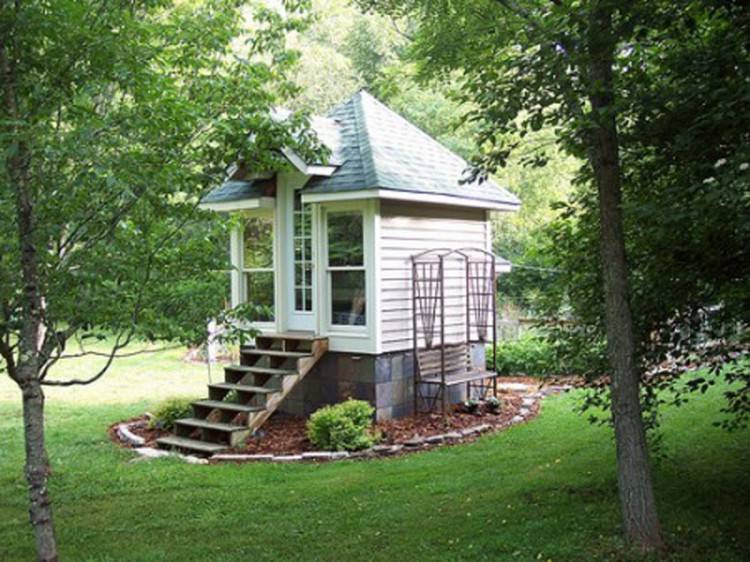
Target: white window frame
[[352, 338], [310, 284], [331, 269]]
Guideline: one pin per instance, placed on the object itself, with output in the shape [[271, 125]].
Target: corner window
[[303, 261], [257, 270], [346, 268]]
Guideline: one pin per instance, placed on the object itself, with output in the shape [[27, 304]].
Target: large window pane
[[345, 247], [259, 291], [348, 298], [258, 266], [258, 243]]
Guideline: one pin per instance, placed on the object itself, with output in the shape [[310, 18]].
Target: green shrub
[[493, 405], [170, 411], [531, 354], [342, 427]]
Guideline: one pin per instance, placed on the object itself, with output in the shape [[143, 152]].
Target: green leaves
[[131, 112]]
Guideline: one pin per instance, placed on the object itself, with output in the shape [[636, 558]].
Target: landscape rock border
[[529, 409]]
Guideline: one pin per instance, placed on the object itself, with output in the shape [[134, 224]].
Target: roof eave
[[239, 205], [416, 196]]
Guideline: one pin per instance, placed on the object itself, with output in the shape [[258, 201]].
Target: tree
[[115, 118], [686, 211], [526, 65]]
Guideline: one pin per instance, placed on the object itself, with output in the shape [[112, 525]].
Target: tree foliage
[[126, 115], [687, 212], [115, 118]]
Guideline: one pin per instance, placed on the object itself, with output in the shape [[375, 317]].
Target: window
[[346, 268], [303, 280], [258, 265]]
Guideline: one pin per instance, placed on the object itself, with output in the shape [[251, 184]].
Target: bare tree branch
[[110, 358], [119, 355]]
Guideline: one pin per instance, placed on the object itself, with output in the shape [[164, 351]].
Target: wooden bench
[[458, 366]]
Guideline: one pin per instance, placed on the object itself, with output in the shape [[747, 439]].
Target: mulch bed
[[287, 435]]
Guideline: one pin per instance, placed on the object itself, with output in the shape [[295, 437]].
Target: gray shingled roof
[[373, 147], [382, 150], [234, 190]]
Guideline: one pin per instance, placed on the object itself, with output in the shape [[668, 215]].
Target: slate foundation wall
[[386, 381]]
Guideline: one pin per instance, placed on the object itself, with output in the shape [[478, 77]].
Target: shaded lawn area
[[542, 491]]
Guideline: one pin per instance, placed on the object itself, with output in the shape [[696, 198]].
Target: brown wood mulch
[[287, 435]]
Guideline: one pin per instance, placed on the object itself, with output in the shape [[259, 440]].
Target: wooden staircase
[[250, 393]]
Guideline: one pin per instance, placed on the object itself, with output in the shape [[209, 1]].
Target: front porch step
[[242, 387], [303, 336], [214, 426], [275, 353], [228, 406], [260, 370], [173, 442], [217, 433]]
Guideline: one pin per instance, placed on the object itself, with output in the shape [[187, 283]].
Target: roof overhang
[[239, 205], [307, 169], [417, 197]]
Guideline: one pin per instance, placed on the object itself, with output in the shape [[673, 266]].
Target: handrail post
[[442, 330], [494, 326], [415, 340]]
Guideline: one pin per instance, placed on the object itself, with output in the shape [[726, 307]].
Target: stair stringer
[[288, 383]]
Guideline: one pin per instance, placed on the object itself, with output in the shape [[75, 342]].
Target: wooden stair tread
[[231, 406], [276, 353], [303, 336], [205, 424], [242, 387], [192, 444], [261, 370]]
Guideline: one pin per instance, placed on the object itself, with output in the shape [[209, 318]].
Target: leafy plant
[[493, 405], [531, 354], [170, 411], [471, 406], [342, 427]]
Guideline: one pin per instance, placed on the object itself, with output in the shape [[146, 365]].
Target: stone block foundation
[[386, 381]]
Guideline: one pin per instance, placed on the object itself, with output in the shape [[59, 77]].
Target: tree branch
[[110, 358]]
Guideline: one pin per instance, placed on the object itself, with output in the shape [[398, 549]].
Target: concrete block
[[383, 370], [384, 395], [383, 414]]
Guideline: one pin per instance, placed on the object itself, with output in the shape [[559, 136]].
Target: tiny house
[[330, 249]]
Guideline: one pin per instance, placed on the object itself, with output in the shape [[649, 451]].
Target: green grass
[[542, 491]]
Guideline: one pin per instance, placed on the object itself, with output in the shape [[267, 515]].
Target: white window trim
[[311, 258], [360, 339]]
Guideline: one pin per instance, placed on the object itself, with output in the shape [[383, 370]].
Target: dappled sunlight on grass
[[157, 374], [542, 490]]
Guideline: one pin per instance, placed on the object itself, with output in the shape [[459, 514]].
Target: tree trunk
[[37, 471], [17, 164], [640, 520]]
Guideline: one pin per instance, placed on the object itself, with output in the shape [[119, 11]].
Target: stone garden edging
[[416, 443]]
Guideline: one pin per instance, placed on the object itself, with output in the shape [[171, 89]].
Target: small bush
[[170, 411], [493, 405], [342, 427], [470, 406], [531, 354]]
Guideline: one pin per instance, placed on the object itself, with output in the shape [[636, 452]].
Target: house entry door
[[302, 312]]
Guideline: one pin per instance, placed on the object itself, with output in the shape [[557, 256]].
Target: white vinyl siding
[[406, 229]]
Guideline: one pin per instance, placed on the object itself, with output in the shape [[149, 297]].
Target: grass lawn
[[542, 491]]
